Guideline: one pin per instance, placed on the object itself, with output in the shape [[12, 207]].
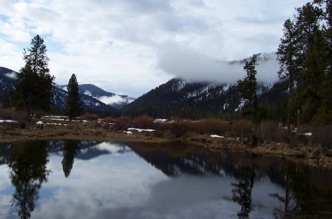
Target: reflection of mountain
[[182, 159], [4, 150], [303, 185], [87, 150]]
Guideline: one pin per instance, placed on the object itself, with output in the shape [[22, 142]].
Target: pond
[[88, 179]]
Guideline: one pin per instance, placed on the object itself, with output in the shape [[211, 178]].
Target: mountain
[[8, 79], [179, 97], [112, 99]]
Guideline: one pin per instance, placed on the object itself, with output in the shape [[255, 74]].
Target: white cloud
[[117, 44], [12, 75], [195, 66], [116, 99]]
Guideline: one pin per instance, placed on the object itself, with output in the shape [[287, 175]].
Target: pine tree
[[305, 56], [247, 88], [73, 102], [33, 91], [311, 61], [286, 55]]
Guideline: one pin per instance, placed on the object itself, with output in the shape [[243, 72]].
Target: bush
[[122, 123], [144, 122], [108, 120], [270, 131], [176, 127], [214, 126], [12, 114], [89, 116], [322, 136], [242, 128]]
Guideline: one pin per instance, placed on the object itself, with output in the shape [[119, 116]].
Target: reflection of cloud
[[111, 147], [126, 186]]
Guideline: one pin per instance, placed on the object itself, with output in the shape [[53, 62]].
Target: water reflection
[[69, 152], [137, 180], [242, 190], [27, 163]]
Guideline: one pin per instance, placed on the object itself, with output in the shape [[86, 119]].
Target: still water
[[87, 179]]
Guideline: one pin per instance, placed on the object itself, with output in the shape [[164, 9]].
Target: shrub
[[144, 122], [270, 131], [242, 128], [322, 136], [214, 126], [176, 127], [89, 116], [12, 114], [179, 129], [122, 123], [108, 120]]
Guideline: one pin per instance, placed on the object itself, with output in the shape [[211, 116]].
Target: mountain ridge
[[8, 80]]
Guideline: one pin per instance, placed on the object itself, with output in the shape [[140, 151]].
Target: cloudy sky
[[132, 46]]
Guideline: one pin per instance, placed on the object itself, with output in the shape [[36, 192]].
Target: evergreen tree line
[[33, 92], [305, 57]]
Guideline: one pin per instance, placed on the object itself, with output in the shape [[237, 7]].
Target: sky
[[132, 46]]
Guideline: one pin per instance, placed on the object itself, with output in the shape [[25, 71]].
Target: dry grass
[[314, 150]]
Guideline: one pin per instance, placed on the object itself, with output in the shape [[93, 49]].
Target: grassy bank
[[270, 140]]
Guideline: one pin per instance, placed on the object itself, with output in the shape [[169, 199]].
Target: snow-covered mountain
[[112, 99], [180, 97], [8, 79]]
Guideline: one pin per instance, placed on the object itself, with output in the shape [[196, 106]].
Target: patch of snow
[[226, 87], [216, 136], [140, 130], [180, 85], [160, 120], [8, 121], [128, 132], [241, 105], [88, 93], [226, 105], [305, 134], [39, 123]]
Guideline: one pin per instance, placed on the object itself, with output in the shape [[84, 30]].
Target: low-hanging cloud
[[194, 66]]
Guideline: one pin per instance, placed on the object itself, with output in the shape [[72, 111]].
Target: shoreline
[[307, 154]]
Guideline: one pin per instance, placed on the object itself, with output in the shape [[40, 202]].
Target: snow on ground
[[8, 121], [216, 136], [160, 120], [140, 130]]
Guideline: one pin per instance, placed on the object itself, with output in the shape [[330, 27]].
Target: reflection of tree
[[28, 171], [242, 190], [69, 152], [286, 198], [298, 194]]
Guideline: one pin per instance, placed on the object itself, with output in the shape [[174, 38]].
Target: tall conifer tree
[[286, 55], [247, 88], [34, 87], [73, 102]]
